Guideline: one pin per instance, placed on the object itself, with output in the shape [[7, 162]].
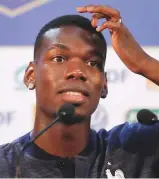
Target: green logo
[[18, 78]]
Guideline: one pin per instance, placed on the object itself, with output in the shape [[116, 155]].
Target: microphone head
[[66, 113], [146, 117]]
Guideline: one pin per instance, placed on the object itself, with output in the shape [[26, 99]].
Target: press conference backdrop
[[20, 21]]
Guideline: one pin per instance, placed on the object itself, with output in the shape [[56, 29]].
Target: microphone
[[65, 113], [147, 117]]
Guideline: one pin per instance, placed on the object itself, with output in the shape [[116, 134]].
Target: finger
[[100, 9], [82, 9], [100, 16], [96, 17], [94, 21], [112, 26]]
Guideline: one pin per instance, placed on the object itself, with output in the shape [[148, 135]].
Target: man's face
[[69, 69]]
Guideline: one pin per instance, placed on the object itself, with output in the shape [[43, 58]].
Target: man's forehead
[[70, 29], [73, 33]]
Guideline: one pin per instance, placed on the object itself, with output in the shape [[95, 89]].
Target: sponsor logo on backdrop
[[6, 119], [18, 78], [117, 76], [131, 115], [14, 8], [151, 86]]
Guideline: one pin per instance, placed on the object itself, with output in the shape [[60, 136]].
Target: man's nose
[[75, 71]]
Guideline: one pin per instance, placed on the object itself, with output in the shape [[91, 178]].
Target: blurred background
[[21, 20]]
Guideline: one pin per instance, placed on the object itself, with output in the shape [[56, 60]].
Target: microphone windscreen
[[146, 117], [66, 111]]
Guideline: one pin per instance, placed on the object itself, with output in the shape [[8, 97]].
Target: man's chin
[[82, 111], [77, 119], [80, 115]]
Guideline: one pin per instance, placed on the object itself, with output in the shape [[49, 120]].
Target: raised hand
[[123, 42], [112, 16]]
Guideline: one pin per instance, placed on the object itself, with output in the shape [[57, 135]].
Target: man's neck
[[62, 140]]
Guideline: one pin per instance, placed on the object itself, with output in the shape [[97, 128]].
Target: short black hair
[[67, 20]]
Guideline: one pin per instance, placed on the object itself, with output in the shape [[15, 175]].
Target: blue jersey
[[128, 150]]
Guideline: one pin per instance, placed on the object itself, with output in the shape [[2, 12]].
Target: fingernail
[[98, 29], [79, 8]]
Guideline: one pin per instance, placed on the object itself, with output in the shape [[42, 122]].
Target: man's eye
[[96, 64], [58, 59], [92, 63]]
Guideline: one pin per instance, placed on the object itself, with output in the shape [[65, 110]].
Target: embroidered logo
[[118, 174]]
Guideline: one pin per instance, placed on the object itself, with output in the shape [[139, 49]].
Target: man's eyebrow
[[97, 53], [59, 45], [65, 47]]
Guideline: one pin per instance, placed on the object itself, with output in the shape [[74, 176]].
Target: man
[[68, 67]]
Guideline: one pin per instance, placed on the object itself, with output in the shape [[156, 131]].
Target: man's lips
[[74, 95], [76, 89]]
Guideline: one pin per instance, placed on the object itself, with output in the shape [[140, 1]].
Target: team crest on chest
[[118, 173]]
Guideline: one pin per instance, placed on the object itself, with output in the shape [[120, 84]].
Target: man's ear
[[105, 87], [29, 77]]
